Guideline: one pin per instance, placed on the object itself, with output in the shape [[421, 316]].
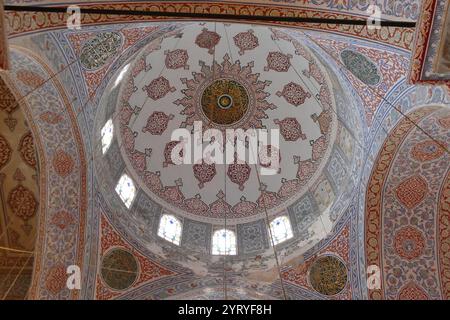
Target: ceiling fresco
[[429, 63], [407, 205], [360, 184], [19, 194], [169, 97], [395, 10], [20, 23]]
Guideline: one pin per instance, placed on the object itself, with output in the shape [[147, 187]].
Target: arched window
[[107, 135], [170, 229], [224, 242], [126, 190], [281, 229]]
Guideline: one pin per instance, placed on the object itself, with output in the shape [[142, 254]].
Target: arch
[[19, 187], [406, 181], [63, 172]]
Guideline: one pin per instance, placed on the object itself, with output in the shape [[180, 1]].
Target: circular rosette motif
[[119, 269], [409, 243], [224, 101], [225, 95], [328, 275]]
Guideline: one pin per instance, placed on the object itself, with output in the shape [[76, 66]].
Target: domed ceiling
[[331, 96], [207, 73], [190, 76]]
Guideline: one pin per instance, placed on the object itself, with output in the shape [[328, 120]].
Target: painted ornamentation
[[294, 94]]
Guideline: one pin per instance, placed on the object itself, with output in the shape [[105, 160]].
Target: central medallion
[[225, 101]]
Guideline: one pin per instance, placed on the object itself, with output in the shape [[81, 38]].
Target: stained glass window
[[281, 229], [126, 190], [224, 242], [170, 229], [107, 135]]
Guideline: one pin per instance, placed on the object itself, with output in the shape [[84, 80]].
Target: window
[[126, 190], [281, 229], [224, 242], [170, 229], [107, 135]]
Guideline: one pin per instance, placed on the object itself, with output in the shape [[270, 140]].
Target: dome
[[204, 76]]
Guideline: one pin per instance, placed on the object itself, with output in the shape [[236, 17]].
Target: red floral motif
[[30, 78], [128, 89], [238, 173], [22, 202], [314, 72], [139, 66], [168, 152], [153, 180], [133, 35], [306, 169], [220, 207], [428, 150], [126, 113], [5, 151], [319, 147], [294, 94], [207, 40], [157, 123], [173, 194], [204, 172], [290, 129], [278, 61], [176, 59], [63, 163], [196, 205], [299, 49], [411, 191], [409, 243], [51, 117], [267, 199], [8, 102], [411, 291], [26, 149], [128, 138], [244, 208], [288, 187], [138, 160], [444, 122], [158, 88], [324, 120], [56, 279], [325, 97], [245, 41], [62, 219]]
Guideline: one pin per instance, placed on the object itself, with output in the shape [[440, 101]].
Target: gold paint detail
[[225, 101]]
